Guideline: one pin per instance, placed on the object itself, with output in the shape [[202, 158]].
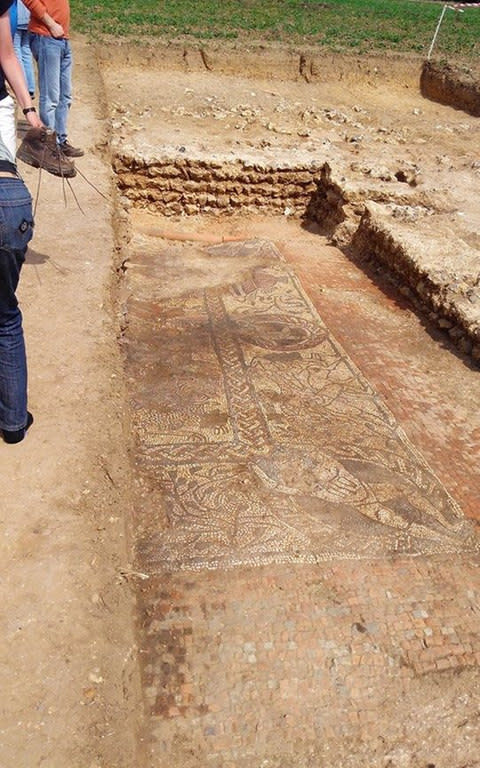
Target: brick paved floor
[[345, 662], [314, 665]]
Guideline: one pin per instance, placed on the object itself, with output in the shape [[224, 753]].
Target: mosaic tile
[[258, 439]]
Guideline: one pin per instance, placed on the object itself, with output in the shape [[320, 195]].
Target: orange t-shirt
[[59, 10]]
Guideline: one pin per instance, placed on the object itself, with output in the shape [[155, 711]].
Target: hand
[[56, 30], [34, 120]]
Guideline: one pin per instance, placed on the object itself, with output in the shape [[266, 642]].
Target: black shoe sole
[[17, 435]]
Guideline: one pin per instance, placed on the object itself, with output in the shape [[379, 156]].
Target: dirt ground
[[67, 644], [70, 670], [364, 115]]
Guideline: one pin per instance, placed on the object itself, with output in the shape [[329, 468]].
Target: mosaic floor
[[258, 439]]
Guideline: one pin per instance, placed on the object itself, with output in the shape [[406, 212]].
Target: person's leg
[[16, 227], [47, 53], [64, 105], [27, 61], [13, 363], [65, 99], [21, 44]]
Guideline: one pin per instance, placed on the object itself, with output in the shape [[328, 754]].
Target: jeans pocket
[[16, 220]]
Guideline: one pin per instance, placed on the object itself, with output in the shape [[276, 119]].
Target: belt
[[8, 175], [6, 165]]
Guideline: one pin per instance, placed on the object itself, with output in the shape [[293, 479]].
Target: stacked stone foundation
[[188, 186]]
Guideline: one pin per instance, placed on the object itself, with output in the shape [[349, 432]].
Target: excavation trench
[[377, 151], [293, 419], [377, 225]]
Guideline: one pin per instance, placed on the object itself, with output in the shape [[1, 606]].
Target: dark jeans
[[16, 229]]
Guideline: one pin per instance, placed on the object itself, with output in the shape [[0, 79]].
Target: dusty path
[[67, 643]]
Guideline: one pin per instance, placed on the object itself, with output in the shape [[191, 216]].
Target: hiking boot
[[39, 148], [69, 151]]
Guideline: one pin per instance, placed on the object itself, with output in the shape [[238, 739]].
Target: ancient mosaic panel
[[258, 439]]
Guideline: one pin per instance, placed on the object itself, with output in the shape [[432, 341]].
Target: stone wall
[[449, 295], [191, 186]]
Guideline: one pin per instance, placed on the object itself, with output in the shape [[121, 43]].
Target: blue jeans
[[21, 44], [54, 61], [16, 229]]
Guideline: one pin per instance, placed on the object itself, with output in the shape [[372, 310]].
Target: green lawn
[[339, 25]]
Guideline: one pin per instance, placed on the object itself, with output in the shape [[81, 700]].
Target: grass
[[362, 26]]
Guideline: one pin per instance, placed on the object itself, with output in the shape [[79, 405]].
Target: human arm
[[13, 71], [38, 9]]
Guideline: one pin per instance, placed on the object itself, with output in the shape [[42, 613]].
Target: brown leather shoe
[[69, 151], [39, 148]]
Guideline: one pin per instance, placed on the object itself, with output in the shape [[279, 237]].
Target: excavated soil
[[349, 143]]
